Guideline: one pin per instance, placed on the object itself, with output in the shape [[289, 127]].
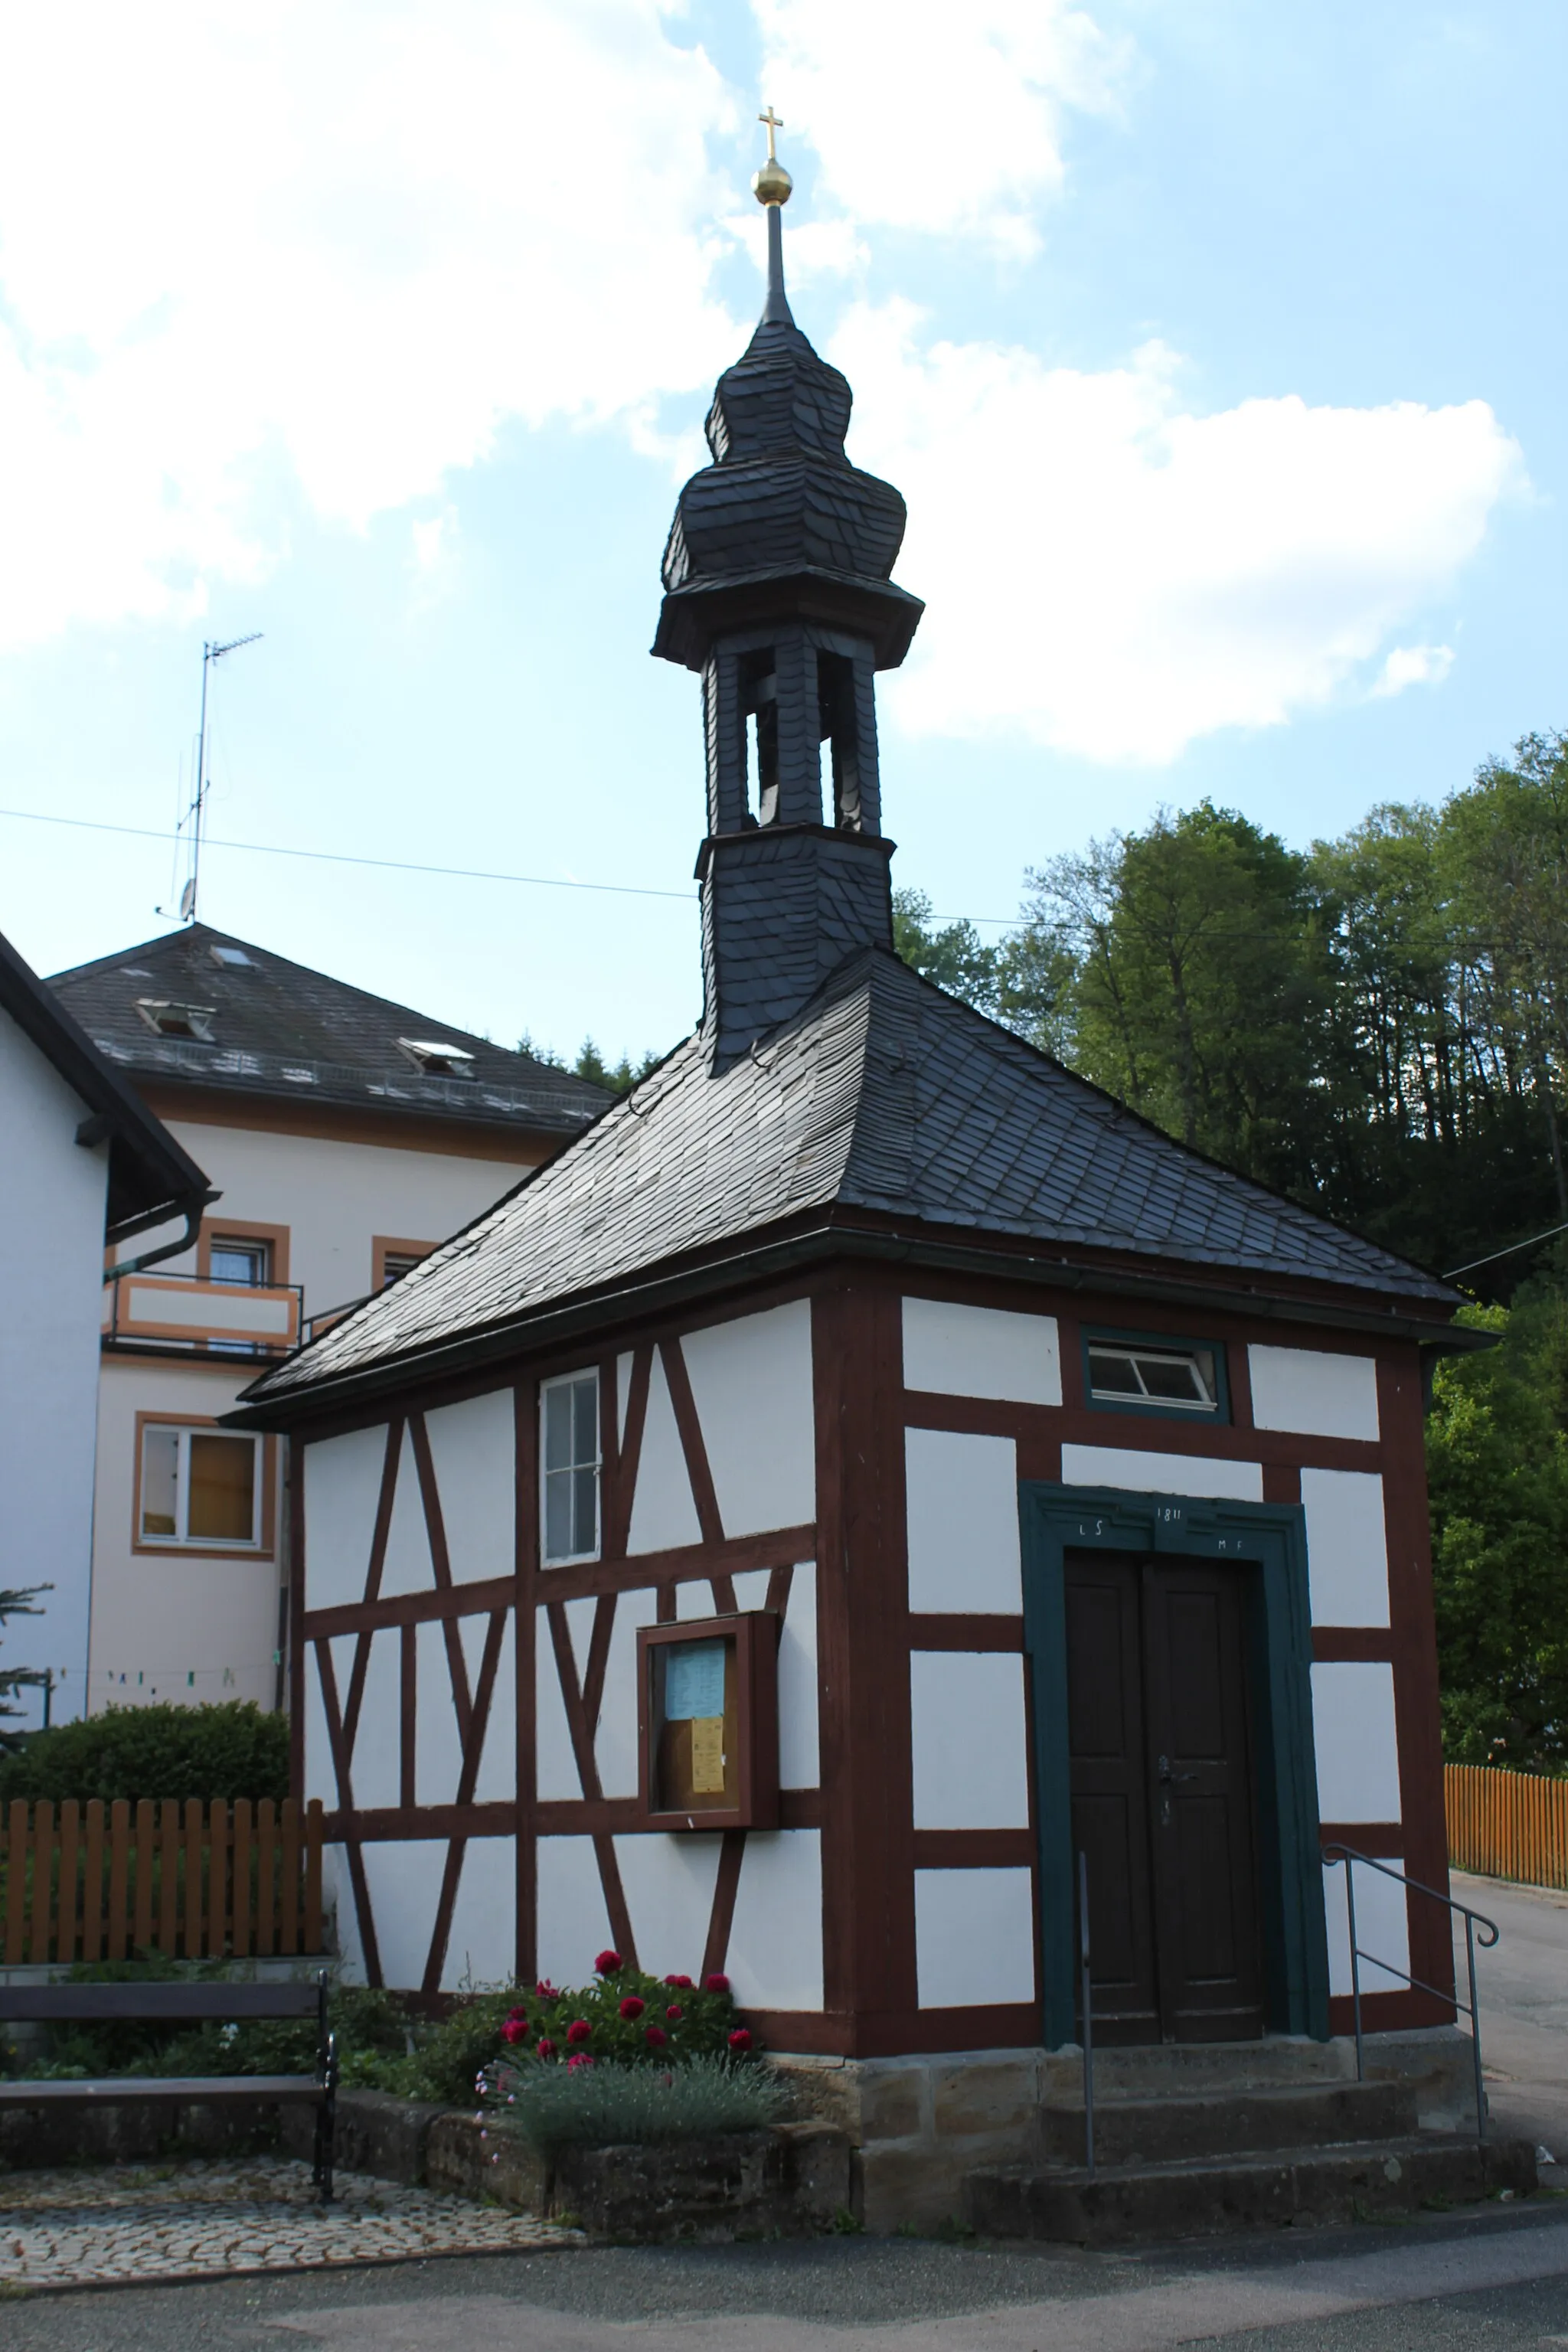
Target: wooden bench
[[179, 2004]]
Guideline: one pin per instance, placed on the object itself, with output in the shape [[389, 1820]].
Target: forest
[[1378, 1026]]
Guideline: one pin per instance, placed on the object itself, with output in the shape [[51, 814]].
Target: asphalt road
[[1523, 1989]]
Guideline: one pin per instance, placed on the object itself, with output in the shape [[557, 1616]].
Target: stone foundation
[[917, 2125]]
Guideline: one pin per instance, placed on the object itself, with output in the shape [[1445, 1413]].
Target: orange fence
[[106, 1883], [1507, 1824]]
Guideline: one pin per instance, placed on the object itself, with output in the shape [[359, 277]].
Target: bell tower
[[778, 592]]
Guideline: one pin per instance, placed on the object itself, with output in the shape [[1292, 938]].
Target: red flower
[[681, 1983], [632, 2007], [675, 2012], [740, 2038], [546, 1990], [580, 2060], [655, 2037], [606, 1964], [546, 2048], [515, 2029], [580, 2031], [520, 2013], [716, 1982]]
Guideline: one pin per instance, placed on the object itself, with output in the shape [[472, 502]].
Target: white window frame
[[183, 1432], [569, 1470], [1137, 1350]]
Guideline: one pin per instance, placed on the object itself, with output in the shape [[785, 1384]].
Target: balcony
[[171, 1314]]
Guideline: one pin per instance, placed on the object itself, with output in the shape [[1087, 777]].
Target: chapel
[[870, 1484]]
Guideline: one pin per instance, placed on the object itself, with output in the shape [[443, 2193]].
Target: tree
[[17, 1602], [618, 1078], [955, 957]]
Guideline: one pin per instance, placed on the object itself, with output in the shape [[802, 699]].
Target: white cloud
[[1413, 666], [934, 118], [1111, 576], [339, 242]]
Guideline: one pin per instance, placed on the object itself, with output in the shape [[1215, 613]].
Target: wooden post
[[314, 1821], [193, 1906], [144, 1819], [119, 1857], [218, 1879], [65, 1898], [265, 1899], [243, 1896], [16, 1881], [288, 1940], [92, 1884], [169, 1875], [43, 1877]]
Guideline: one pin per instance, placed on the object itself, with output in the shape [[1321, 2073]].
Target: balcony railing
[[184, 1315]]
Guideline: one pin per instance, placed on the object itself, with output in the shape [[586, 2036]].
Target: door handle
[[1169, 1780]]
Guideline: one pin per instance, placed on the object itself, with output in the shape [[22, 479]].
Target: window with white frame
[[198, 1487], [1154, 1378], [569, 1411]]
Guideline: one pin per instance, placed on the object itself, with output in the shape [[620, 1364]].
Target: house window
[[391, 1259], [1133, 1375], [198, 1487], [248, 1262], [176, 1019], [437, 1059], [570, 1412]]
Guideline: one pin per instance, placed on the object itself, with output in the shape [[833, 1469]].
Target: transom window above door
[[1125, 1373], [569, 1410]]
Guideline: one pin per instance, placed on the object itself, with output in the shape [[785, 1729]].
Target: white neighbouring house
[[346, 1137], [83, 1163]]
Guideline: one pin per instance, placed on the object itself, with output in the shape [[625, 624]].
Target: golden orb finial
[[771, 184]]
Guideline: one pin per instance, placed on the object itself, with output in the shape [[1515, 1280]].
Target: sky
[[1218, 349]]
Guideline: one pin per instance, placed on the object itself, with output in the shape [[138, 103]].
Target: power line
[[1512, 1249]]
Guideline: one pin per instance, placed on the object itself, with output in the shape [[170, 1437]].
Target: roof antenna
[[192, 817]]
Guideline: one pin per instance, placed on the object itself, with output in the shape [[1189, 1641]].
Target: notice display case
[[708, 1723]]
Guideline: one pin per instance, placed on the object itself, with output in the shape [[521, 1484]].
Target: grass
[[610, 2105]]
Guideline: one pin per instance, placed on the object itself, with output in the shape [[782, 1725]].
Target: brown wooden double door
[[1162, 1795]]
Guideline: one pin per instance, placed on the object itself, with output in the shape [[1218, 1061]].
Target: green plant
[[614, 2104], [228, 1752], [17, 1603], [846, 2224], [626, 2015]]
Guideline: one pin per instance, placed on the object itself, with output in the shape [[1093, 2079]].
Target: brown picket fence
[[1507, 1824], [194, 1882]]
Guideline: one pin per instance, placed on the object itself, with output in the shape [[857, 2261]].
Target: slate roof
[[884, 1094], [151, 1178], [280, 1029]]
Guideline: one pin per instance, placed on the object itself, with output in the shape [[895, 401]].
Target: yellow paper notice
[[707, 1755]]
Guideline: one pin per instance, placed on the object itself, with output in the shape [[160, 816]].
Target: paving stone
[[209, 2218]]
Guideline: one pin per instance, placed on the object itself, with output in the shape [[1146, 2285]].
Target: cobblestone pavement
[[79, 2227]]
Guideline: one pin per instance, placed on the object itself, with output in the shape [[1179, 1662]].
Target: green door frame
[[1272, 1538]]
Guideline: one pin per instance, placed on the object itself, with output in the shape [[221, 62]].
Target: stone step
[[1169, 2130], [1125, 2204], [1150, 2069]]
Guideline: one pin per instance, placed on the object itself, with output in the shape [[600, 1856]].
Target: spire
[[778, 588]]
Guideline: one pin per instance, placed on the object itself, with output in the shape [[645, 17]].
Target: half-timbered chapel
[[869, 1468]]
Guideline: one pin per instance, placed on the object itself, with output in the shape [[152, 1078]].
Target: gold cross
[[774, 122]]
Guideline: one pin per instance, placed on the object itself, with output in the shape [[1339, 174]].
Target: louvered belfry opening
[[778, 594]]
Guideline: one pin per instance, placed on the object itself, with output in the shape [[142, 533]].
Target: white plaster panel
[[482, 1949], [694, 1597], [962, 1515], [1381, 1927], [615, 1749], [751, 1379], [342, 1486], [623, 1392], [474, 1448], [438, 1751], [1160, 1473], [405, 1880], [751, 1588], [375, 1768], [555, 1761], [798, 1762], [1355, 1734], [974, 1937], [663, 1513], [775, 1942], [321, 1781], [1308, 1389], [1347, 1546], [668, 1885], [497, 1780], [573, 1924], [407, 1567], [981, 1351], [970, 1740]]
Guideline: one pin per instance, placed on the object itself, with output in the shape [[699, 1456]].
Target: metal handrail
[[1087, 2013], [1349, 1856]]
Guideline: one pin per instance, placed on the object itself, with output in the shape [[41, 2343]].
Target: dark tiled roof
[[278, 1028], [884, 1095], [151, 1178]]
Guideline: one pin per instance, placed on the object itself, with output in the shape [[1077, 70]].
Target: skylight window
[[437, 1059], [169, 1020], [231, 956]]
